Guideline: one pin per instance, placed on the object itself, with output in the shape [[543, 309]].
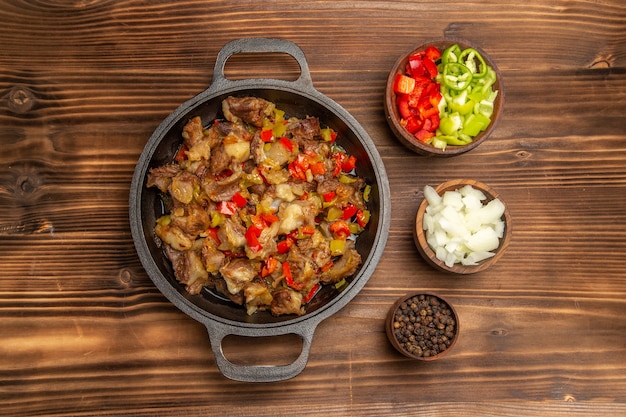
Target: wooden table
[[84, 331]]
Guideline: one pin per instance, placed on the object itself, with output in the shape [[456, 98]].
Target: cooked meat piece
[[173, 236], [342, 268], [258, 189], [220, 160], [232, 235], [220, 192], [237, 273], [212, 257], [161, 177], [251, 110], [225, 128], [193, 221], [305, 129], [287, 301], [315, 248], [257, 296], [182, 186], [256, 149], [188, 269], [193, 132], [223, 189]]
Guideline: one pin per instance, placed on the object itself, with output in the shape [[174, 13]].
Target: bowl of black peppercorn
[[422, 326]]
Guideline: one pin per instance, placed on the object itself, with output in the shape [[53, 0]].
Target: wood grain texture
[[83, 331]]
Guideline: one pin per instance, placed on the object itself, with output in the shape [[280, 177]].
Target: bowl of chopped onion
[[443, 97], [462, 226]]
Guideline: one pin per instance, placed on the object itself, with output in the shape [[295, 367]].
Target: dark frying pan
[[298, 98]]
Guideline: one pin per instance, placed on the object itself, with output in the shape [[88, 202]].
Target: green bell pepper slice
[[468, 57], [456, 76]]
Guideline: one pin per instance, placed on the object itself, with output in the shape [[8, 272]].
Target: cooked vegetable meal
[[446, 98], [260, 208], [460, 228]]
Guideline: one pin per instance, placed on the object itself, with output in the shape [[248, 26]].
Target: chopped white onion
[[460, 228]]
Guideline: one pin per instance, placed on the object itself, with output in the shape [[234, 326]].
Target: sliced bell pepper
[[311, 293], [456, 76], [239, 200], [432, 52], [468, 57], [267, 135], [348, 212], [337, 247], [403, 84], [269, 266], [363, 217], [329, 196], [286, 143], [349, 163], [252, 238], [289, 277], [228, 208]]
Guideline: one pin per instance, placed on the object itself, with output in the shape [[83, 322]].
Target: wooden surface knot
[[20, 99]]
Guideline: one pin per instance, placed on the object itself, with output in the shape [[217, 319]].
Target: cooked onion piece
[[460, 227]]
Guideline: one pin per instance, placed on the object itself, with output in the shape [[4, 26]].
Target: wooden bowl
[[393, 116], [429, 254], [415, 319]]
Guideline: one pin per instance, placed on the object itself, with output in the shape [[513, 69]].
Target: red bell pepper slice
[[432, 52], [403, 84], [286, 143], [212, 234], [349, 164], [297, 168], [362, 217], [252, 237], [284, 245], [239, 200], [403, 106], [435, 120], [318, 168], [348, 212], [267, 135], [329, 196], [423, 135], [269, 218], [269, 266], [415, 66], [227, 208], [431, 68], [289, 278], [413, 124], [311, 293]]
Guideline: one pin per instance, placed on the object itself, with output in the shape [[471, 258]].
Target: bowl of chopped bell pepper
[[443, 97]]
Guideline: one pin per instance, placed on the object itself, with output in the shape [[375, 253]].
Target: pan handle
[[260, 45], [257, 373]]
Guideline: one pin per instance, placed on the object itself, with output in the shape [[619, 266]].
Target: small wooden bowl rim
[[429, 255], [391, 110], [391, 335]]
